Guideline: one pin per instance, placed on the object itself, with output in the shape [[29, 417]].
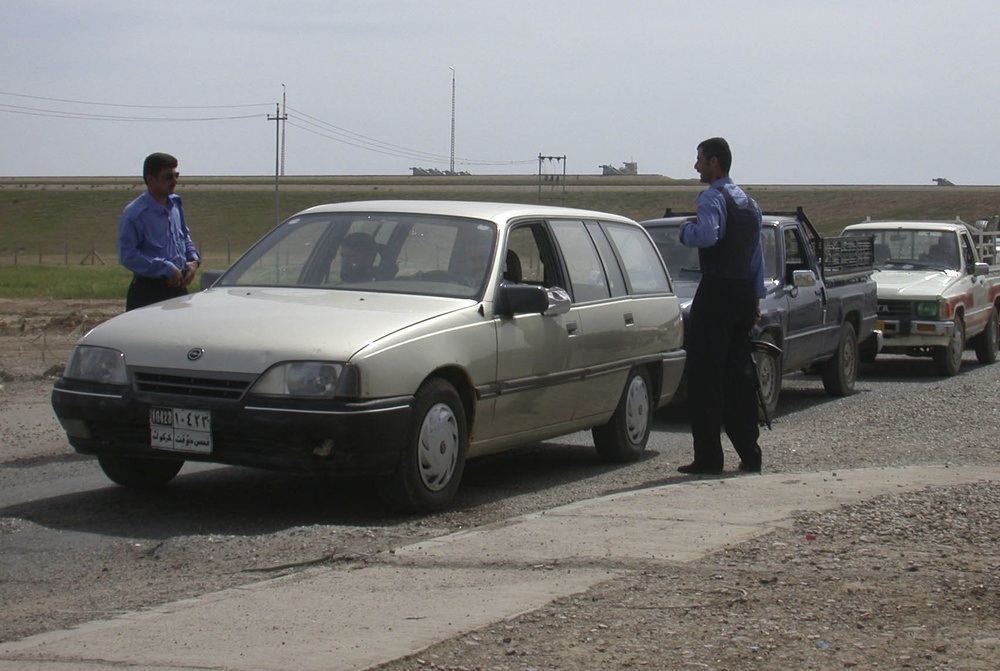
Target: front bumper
[[916, 333], [349, 438]]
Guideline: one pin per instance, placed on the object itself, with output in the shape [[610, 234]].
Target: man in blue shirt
[[722, 390], [153, 238]]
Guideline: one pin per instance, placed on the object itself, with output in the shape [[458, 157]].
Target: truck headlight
[[96, 364], [927, 310], [308, 379]]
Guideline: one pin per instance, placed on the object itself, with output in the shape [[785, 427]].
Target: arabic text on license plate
[[180, 429]]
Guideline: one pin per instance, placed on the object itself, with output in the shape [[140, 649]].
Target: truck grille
[[224, 388], [895, 310]]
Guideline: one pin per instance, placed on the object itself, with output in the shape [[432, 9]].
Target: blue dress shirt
[[153, 240]]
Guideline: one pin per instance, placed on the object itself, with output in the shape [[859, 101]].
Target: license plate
[[181, 430]]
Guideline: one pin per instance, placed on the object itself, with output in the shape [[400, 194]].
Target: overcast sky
[[806, 92]]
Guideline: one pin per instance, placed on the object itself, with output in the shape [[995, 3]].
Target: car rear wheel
[[948, 359], [624, 438], [841, 372], [768, 364], [987, 341], [139, 472], [432, 460]]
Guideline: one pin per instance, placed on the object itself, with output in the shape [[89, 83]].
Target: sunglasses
[[170, 176]]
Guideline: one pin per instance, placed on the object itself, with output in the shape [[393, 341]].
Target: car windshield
[[682, 261], [392, 253], [913, 249]]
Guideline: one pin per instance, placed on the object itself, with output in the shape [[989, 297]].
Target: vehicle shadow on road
[[244, 501]]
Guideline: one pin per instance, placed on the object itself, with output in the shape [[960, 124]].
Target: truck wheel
[[841, 372], [432, 459], [139, 472], [768, 377], [987, 341], [948, 359], [624, 437]]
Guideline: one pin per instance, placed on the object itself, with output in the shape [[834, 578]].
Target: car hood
[[903, 284], [249, 329]]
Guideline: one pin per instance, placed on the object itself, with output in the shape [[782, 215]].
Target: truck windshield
[[897, 249]]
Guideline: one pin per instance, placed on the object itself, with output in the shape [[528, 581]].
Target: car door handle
[[571, 328], [629, 319]]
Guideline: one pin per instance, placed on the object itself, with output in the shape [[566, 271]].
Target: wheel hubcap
[[636, 410], [437, 447]]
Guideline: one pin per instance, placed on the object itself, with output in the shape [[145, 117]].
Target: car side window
[[643, 266], [523, 261], [795, 256], [586, 273], [616, 280]]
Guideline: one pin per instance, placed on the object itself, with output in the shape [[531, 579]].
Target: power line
[[337, 134], [318, 127], [59, 114], [102, 104]]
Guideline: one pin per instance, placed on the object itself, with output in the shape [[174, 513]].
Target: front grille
[[895, 310], [223, 388]]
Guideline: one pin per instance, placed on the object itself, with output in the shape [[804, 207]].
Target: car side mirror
[[980, 269], [803, 278], [517, 299], [559, 301], [208, 278]]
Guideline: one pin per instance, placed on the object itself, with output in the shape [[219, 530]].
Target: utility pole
[[284, 115], [277, 119], [452, 119]]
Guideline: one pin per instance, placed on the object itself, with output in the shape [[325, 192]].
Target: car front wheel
[[139, 472], [841, 372], [624, 437], [768, 364], [432, 460], [948, 359], [987, 341]]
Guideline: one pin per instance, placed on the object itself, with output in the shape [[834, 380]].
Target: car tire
[[948, 359], [841, 372], [139, 472], [768, 367], [432, 460], [623, 439], [988, 341]]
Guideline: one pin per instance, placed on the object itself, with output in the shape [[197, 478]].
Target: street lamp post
[[452, 119]]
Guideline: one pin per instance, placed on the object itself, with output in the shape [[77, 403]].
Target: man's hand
[[187, 275]]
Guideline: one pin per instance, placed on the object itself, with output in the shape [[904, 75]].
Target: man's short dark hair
[[156, 162], [718, 148]]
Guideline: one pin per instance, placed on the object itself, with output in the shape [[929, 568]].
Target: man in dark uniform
[[153, 238], [721, 381]]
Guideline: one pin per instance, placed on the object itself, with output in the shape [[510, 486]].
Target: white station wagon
[[393, 339]]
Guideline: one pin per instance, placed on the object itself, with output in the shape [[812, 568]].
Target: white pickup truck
[[936, 293]]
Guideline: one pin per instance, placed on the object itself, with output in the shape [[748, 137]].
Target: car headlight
[[308, 379], [97, 364], [927, 310]]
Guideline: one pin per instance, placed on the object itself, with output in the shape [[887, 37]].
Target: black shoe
[[749, 468], [694, 468]]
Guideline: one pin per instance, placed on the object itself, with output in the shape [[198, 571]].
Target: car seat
[[512, 267]]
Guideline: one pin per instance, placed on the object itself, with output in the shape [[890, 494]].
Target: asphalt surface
[[359, 616]]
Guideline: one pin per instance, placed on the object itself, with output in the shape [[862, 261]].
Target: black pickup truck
[[821, 302]]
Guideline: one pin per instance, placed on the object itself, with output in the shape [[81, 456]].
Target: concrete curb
[[355, 618]]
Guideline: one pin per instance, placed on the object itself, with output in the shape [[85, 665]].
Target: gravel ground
[[900, 581]]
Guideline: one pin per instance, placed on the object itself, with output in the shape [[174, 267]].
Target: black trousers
[[145, 291], [722, 391]]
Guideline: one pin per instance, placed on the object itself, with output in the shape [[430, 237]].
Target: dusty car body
[[465, 329]]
